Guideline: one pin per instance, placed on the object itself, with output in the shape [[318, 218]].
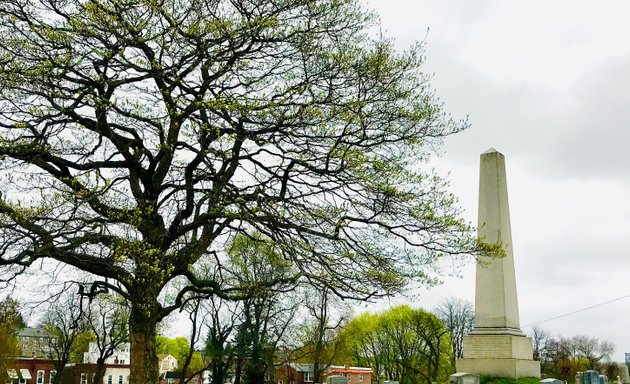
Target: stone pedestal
[[499, 355], [496, 346]]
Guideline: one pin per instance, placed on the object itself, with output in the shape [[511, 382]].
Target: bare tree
[[592, 349], [540, 337], [458, 317], [219, 348], [319, 333], [65, 321], [108, 319], [148, 133]]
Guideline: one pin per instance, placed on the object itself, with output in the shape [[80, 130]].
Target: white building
[[122, 355]]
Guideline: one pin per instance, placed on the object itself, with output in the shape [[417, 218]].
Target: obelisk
[[496, 346]]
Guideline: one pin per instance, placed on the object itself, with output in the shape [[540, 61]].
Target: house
[[122, 355], [32, 371], [85, 374], [35, 342], [355, 375], [172, 377], [167, 363], [296, 373]]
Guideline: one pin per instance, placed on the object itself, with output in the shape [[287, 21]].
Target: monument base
[[511, 368], [494, 354]]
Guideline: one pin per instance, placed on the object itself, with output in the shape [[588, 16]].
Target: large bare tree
[[138, 136]]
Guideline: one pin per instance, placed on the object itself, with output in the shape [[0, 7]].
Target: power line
[[577, 311]]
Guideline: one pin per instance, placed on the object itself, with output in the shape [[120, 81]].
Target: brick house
[[355, 375], [32, 371], [295, 373]]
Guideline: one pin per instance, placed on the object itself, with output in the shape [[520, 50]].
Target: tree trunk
[[100, 370], [142, 325]]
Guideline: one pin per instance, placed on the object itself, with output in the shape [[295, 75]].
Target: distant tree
[[147, 133], [179, 348], [192, 364], [562, 357], [540, 338], [107, 317], [407, 345], [11, 322], [593, 350], [65, 321], [219, 349], [318, 335], [10, 313], [268, 309], [458, 317]]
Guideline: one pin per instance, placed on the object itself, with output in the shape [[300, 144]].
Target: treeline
[[562, 357], [241, 341], [272, 317]]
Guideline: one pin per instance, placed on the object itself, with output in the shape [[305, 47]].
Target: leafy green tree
[[407, 345], [179, 347], [11, 322], [149, 132]]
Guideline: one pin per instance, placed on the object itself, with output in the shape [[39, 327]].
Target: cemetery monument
[[496, 346]]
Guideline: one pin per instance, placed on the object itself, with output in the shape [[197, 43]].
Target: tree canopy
[[407, 345], [138, 136]]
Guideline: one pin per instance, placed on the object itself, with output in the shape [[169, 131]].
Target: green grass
[[503, 380]]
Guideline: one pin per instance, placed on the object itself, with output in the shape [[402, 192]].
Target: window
[[51, 377], [120, 379], [308, 377], [267, 377], [84, 378], [40, 377], [22, 380], [280, 382], [122, 361], [360, 377], [170, 380], [110, 379]]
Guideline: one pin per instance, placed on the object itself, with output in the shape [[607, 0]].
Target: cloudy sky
[[547, 83]]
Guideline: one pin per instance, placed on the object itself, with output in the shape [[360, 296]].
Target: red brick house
[[32, 371], [41, 371], [355, 375], [295, 373]]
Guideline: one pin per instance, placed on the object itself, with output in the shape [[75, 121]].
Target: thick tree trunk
[[143, 325]]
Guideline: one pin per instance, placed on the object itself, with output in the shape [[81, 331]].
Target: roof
[[172, 375], [303, 367], [342, 368], [33, 332]]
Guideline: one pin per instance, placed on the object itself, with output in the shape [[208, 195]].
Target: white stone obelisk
[[496, 346]]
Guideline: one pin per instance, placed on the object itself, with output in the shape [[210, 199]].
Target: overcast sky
[[547, 83]]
